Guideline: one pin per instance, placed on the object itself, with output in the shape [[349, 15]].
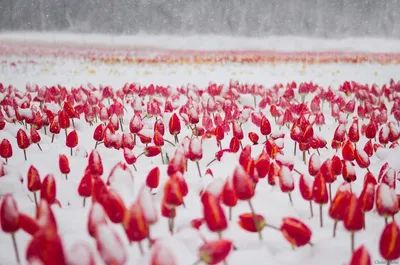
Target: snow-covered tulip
[[9, 219], [339, 203], [110, 246], [161, 254], [81, 254]]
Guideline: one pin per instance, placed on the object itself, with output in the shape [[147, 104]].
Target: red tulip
[[85, 187], [228, 195], [296, 232], [35, 137], [213, 213], [253, 137], [34, 183], [48, 190], [72, 140], [339, 204], [214, 252], [389, 244], [246, 222], [361, 257], [6, 149], [135, 224], [320, 193], [46, 246], [23, 141], [63, 163], [28, 224], [353, 217], [95, 163], [174, 126], [114, 207], [153, 178]]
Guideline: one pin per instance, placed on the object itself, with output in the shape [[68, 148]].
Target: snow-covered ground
[[268, 201]]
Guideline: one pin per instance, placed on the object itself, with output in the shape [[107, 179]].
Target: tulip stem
[[364, 225], [230, 213], [304, 157], [311, 209], [168, 141], [241, 145], [15, 247], [66, 176], [290, 198], [330, 192], [25, 154], [320, 215], [198, 168], [197, 262], [255, 219], [39, 147], [162, 156], [71, 151], [176, 138], [134, 138], [35, 197], [141, 248], [122, 126], [386, 220], [66, 133], [95, 146], [172, 224], [84, 202], [352, 241], [272, 227], [295, 148], [334, 228], [139, 155], [73, 123], [211, 162], [134, 167]]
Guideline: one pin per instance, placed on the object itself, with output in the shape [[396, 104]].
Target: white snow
[[315, 161], [350, 168], [111, 247], [80, 254], [287, 177], [196, 146], [145, 200], [387, 196], [268, 201], [361, 153], [385, 131]]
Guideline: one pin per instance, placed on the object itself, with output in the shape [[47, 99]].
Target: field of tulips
[[296, 172]]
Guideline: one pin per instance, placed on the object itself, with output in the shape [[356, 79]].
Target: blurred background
[[255, 18]]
